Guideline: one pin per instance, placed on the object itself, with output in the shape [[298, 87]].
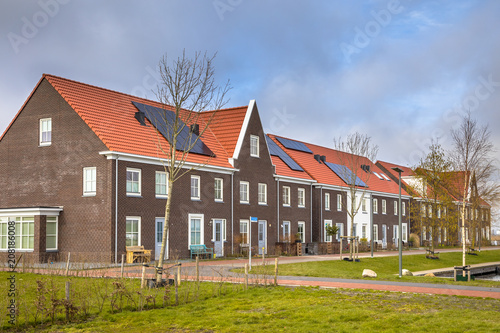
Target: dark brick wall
[[294, 213], [320, 214]]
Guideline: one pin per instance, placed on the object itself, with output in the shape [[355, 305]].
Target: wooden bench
[[201, 250], [431, 254], [137, 254]]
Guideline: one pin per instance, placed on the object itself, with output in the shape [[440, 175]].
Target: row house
[[82, 172]]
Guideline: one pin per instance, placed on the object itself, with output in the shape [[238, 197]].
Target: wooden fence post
[[276, 271], [67, 300], [246, 276], [67, 263], [121, 271], [340, 248], [178, 273], [143, 276], [197, 269]]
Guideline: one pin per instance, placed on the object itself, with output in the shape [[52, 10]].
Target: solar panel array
[[163, 121], [345, 174], [290, 144], [276, 150]]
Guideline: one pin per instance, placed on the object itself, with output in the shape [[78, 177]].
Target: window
[[244, 192], [363, 205], [51, 233], [375, 232], [286, 196], [403, 208], [384, 206], [339, 202], [340, 231], [430, 211], [424, 233], [423, 210], [301, 231], [302, 197], [133, 182], [132, 232], [45, 132], [375, 206], [254, 146], [24, 228], [404, 231], [89, 181], [444, 234], [354, 230], [487, 233], [195, 187], [244, 231], [161, 188], [286, 231], [195, 232], [395, 207], [363, 231], [218, 183], [328, 238], [327, 201], [262, 195], [218, 235]]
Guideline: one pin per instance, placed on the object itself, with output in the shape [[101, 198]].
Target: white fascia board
[[243, 130], [331, 187], [113, 155], [390, 195], [31, 211], [294, 180]]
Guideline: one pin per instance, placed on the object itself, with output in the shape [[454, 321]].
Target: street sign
[[253, 219]]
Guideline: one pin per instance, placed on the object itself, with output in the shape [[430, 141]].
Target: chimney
[[322, 158], [140, 117], [316, 157], [195, 128]]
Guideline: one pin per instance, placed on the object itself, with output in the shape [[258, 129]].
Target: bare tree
[[186, 90], [353, 153], [472, 154]]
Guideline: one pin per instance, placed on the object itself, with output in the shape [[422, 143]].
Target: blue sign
[[253, 219]]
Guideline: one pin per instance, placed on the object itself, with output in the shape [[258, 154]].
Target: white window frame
[[286, 231], [139, 182], [262, 194], [56, 218], [244, 232], [133, 218], [303, 233], [286, 196], [223, 231], [403, 208], [327, 238], [20, 221], [254, 146], [363, 205], [339, 202], [200, 217], [158, 194], [384, 206], [327, 201], [364, 230], [196, 188], [244, 192], [404, 231], [89, 185], [395, 207], [219, 187], [340, 231], [301, 198], [45, 127], [375, 206], [424, 233], [375, 232]]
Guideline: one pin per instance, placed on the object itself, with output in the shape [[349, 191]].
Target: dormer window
[[254, 146], [45, 132]]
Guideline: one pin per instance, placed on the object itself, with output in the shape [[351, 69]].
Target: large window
[[244, 231], [339, 202], [244, 195], [327, 201], [218, 193], [161, 188], [24, 228], [45, 132], [301, 197], [195, 232], [133, 182], [375, 232], [327, 238], [195, 187], [384, 206], [301, 231], [262, 194], [51, 233], [133, 231], [340, 231], [254, 146], [286, 231], [375, 206], [286, 196], [89, 181]]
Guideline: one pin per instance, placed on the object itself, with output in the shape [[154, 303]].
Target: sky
[[402, 72]]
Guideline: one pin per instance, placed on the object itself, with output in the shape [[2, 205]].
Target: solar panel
[[290, 144], [345, 174], [275, 150], [163, 121]]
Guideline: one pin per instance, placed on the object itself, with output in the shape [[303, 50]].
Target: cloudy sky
[[400, 71]]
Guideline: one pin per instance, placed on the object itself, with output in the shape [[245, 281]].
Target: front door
[[218, 238], [262, 237], [384, 236], [159, 235]]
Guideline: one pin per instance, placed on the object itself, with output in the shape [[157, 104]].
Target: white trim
[[265, 194], [248, 192], [138, 218], [57, 234], [133, 194], [303, 190], [294, 180], [198, 197], [243, 130], [90, 193], [158, 195], [221, 189], [45, 143], [31, 211], [289, 203], [202, 227], [303, 223], [255, 137], [113, 155], [328, 203]]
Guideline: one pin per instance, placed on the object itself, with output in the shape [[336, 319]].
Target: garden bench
[[137, 254], [201, 250]]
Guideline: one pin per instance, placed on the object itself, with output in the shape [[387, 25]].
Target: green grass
[[387, 268]]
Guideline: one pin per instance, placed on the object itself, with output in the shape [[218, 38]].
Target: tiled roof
[[110, 115], [323, 175]]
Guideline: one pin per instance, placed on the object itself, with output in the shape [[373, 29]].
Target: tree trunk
[[165, 229]]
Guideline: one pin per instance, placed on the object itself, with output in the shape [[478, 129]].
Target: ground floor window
[[51, 233], [404, 231], [375, 232], [340, 231], [132, 232], [244, 231], [301, 231], [24, 228], [328, 238], [286, 231], [196, 229], [363, 230]]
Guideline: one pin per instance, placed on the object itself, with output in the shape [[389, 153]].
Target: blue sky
[[401, 72]]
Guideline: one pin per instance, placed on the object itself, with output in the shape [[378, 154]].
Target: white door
[[395, 237], [218, 238], [384, 236], [262, 237], [159, 235]]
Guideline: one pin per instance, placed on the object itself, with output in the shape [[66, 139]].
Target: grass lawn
[[387, 268]]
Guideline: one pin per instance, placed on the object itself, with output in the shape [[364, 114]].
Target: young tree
[[187, 88], [353, 152], [472, 154]]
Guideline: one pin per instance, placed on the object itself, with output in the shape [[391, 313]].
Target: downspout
[[311, 219], [278, 207], [371, 225], [232, 213], [321, 214], [116, 210]]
